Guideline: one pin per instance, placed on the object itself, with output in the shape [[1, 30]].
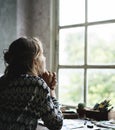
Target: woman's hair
[[20, 54]]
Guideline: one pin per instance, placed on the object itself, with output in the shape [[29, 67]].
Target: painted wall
[[7, 26], [24, 18]]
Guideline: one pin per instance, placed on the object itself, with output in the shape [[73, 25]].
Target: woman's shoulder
[[24, 80], [33, 80]]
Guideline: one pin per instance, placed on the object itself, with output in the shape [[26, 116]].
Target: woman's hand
[[50, 79]]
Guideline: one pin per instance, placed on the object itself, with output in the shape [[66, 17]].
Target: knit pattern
[[26, 99]]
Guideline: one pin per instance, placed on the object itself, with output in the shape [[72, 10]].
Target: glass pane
[[71, 12], [71, 46], [101, 10], [101, 44], [101, 85], [71, 86]]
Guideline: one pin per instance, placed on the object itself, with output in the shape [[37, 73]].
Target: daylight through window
[[86, 51]]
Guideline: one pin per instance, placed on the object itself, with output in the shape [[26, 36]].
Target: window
[[85, 51]]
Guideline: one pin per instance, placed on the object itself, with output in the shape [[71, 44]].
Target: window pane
[[71, 86], [101, 85], [71, 46], [101, 10], [101, 40], [71, 12]]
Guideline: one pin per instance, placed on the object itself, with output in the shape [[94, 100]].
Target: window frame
[[55, 44]]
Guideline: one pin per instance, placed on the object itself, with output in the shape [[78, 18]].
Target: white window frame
[[55, 44]]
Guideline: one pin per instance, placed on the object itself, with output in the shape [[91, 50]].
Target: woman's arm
[[52, 115]]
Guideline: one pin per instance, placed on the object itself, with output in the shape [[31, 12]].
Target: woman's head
[[24, 55]]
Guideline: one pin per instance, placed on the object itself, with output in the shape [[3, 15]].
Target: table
[[72, 122], [80, 124]]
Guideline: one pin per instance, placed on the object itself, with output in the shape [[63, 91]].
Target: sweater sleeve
[[52, 115], [47, 108]]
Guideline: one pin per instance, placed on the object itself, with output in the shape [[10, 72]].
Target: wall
[[24, 18], [7, 26], [33, 19]]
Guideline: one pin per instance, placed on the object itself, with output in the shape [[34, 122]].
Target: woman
[[27, 90]]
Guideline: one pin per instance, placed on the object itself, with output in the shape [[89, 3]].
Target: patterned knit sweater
[[26, 99]]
